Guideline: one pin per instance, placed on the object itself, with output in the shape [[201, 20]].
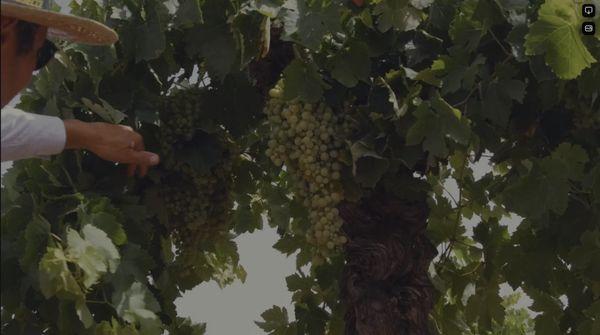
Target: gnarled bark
[[385, 286]]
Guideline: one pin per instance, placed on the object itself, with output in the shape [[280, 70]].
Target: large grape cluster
[[198, 203], [308, 140]]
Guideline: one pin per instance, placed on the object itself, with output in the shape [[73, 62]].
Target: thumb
[[145, 158]]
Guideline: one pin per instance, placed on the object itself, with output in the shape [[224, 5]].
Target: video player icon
[[588, 10], [588, 28]]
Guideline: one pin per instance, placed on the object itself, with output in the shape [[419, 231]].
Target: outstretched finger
[[144, 158]]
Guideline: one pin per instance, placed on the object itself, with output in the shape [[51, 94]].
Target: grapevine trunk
[[385, 284]]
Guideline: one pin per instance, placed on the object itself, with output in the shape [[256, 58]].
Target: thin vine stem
[[499, 43]]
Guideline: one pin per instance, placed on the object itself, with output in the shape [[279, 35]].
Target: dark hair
[[25, 36]]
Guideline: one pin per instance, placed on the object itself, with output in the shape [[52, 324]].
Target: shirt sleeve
[[27, 135]]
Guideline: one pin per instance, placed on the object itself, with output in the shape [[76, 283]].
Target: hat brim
[[63, 26]]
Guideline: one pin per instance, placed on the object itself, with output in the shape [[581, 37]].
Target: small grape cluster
[[179, 115], [308, 139], [199, 203]]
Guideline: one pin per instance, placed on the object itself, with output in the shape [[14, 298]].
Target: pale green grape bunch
[[178, 117], [198, 203], [308, 140]]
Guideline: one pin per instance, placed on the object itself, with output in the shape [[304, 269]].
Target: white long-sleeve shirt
[[27, 135]]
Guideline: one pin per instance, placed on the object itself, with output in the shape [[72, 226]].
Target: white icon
[[589, 10], [588, 28]]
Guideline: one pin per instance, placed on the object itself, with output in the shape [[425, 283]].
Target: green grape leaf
[[138, 306], [275, 321], [240, 114], [545, 324], [304, 257], [55, 277], [288, 244], [551, 308], [307, 23], [587, 255], [185, 326], [295, 283], [103, 244], [302, 81], [337, 323], [526, 262], [516, 39], [52, 75], [499, 98], [492, 236], [546, 303], [109, 224], [441, 14], [397, 14], [369, 170], [100, 59], [513, 4], [84, 314], [546, 187], [327, 275], [592, 325], [436, 120], [556, 34], [454, 70], [93, 252], [352, 64], [145, 40], [67, 318], [11, 188], [485, 307], [573, 157], [367, 166], [311, 319], [489, 13], [188, 13], [88, 8], [36, 240], [465, 29], [421, 4], [216, 45], [250, 31], [441, 224], [113, 328], [135, 265], [279, 208], [422, 48], [246, 219]]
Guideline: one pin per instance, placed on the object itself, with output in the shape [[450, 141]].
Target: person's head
[[21, 42], [25, 25]]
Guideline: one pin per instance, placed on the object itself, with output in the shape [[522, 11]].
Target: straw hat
[[63, 26]]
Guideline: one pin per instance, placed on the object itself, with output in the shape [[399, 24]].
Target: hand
[[111, 142]]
